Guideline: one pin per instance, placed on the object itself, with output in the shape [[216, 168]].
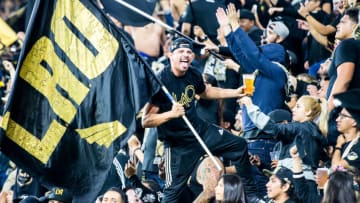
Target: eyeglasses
[[342, 116]]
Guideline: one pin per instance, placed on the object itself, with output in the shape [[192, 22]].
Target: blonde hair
[[318, 111]]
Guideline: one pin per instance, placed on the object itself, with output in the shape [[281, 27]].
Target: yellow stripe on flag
[[7, 34]]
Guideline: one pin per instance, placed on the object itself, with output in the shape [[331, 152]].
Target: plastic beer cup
[[322, 175], [248, 80]]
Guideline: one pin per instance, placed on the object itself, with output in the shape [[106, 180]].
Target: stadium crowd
[[293, 137]]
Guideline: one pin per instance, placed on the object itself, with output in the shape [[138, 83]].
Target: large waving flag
[[78, 88]]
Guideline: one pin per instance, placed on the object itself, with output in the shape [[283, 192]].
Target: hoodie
[[271, 78]]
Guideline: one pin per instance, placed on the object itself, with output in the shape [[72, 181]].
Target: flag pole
[[197, 136], [29, 28]]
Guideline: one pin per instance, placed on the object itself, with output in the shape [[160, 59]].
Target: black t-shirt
[[316, 51], [176, 132], [346, 51], [208, 110], [353, 157], [202, 13], [291, 200]]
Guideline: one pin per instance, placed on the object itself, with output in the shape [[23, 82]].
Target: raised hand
[[222, 17], [303, 11], [233, 16], [255, 160], [130, 169]]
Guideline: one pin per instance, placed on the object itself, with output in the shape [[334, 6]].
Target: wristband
[[203, 39], [338, 148], [138, 148]]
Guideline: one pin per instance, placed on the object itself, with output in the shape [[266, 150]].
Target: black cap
[[181, 43], [246, 14], [59, 194], [350, 101], [282, 173]]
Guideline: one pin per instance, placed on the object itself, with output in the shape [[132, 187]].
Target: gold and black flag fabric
[[78, 88]]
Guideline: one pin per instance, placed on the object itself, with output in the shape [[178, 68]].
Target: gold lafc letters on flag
[[76, 93], [89, 62]]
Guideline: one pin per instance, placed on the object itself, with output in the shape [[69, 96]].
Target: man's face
[[112, 197], [180, 60], [275, 188], [344, 122], [324, 67], [246, 24], [271, 36], [345, 28]]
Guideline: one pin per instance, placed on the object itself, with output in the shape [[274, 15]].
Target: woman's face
[[299, 112], [219, 190]]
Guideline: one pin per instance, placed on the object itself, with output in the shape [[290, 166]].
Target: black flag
[[125, 15], [78, 88]]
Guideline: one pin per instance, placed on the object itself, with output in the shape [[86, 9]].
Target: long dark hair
[[340, 188], [233, 189]]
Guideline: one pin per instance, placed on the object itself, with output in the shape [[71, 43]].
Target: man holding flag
[[78, 88], [182, 150]]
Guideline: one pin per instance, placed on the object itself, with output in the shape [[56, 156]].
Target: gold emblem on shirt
[[352, 156], [186, 97]]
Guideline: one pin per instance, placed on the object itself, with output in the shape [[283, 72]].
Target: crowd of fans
[[302, 118]]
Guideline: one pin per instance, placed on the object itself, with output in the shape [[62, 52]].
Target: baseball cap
[[350, 101], [181, 43], [282, 173], [279, 28], [59, 194], [246, 14]]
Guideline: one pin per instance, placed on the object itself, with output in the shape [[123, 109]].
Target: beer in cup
[[248, 80], [322, 176]]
